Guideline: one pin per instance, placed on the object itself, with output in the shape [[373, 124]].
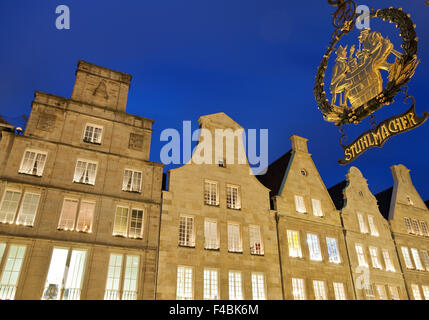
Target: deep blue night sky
[[253, 59]]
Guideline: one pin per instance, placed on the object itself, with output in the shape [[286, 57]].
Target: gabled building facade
[[408, 217], [372, 253], [312, 248], [218, 235], [79, 199]]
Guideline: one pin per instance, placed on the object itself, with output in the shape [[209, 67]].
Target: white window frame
[[417, 260], [211, 284], [319, 290], [408, 225], [185, 283], [129, 221], [235, 285], [381, 291], [255, 238], [258, 286], [425, 290], [78, 215], [211, 236], [317, 207], [11, 259], [92, 137], [294, 244], [362, 223], [30, 169], [209, 198], [233, 201], [372, 226], [85, 173], [20, 217], [388, 261], [298, 289], [407, 258], [235, 241], [360, 252], [394, 293], [300, 204], [424, 228], [375, 260], [425, 259], [314, 247], [340, 293], [187, 239], [416, 292], [416, 227], [333, 251], [128, 182]]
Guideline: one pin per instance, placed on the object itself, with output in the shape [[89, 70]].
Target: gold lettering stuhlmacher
[[383, 132]]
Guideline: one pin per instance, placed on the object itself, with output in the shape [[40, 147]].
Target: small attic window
[[304, 172], [361, 193], [410, 202]]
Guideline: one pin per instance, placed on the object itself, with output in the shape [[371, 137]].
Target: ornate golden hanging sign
[[356, 86]]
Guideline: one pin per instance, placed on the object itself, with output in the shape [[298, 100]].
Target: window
[[381, 291], [258, 286], [128, 226], [33, 163], [425, 259], [61, 284], [339, 291], [129, 291], [416, 227], [416, 257], [83, 223], [334, 256], [186, 231], [314, 247], [319, 290], [410, 202], [11, 270], [361, 256], [298, 289], [132, 181], [211, 195], [426, 292], [184, 283], [369, 292], [210, 284], [256, 246], [416, 292], [394, 293], [372, 227], [294, 244], [362, 225], [113, 281], [317, 208], [374, 258], [407, 258], [408, 225], [299, 204], [387, 261], [85, 172], [424, 228], [27, 210], [233, 200], [93, 134], [210, 234], [235, 286], [234, 238]]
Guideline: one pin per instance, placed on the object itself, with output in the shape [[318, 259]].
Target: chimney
[[299, 144]]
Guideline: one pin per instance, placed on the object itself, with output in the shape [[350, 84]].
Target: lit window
[[426, 292], [61, 284], [129, 291], [299, 204], [425, 259], [317, 208], [314, 247], [258, 286], [416, 292], [387, 261], [339, 291], [132, 181], [319, 290], [294, 244], [374, 258], [33, 163], [298, 289], [372, 227], [210, 284], [186, 231], [416, 257], [362, 225], [233, 199], [361, 256], [210, 234], [424, 228], [83, 223], [334, 256], [408, 225], [369, 292], [27, 210], [113, 283], [211, 196], [129, 226], [416, 227], [93, 134], [256, 246], [234, 238], [11, 270], [85, 172], [184, 283], [394, 293], [381, 291], [407, 258], [235, 286]]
